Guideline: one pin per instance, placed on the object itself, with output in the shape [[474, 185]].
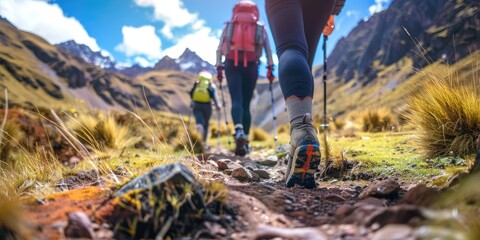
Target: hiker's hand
[[218, 107], [270, 73], [220, 73], [328, 29]]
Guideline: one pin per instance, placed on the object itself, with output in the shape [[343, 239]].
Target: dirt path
[[261, 204], [296, 207]]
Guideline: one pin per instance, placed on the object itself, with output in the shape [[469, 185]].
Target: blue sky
[[143, 31]]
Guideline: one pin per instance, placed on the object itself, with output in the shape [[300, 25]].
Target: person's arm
[[193, 89], [268, 50], [212, 90], [219, 48]]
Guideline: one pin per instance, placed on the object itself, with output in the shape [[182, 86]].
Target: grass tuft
[[259, 134], [10, 138], [447, 115], [102, 132], [377, 120]]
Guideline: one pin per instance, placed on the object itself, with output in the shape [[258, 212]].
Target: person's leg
[[234, 81], [250, 74], [315, 17], [286, 19], [207, 113], [199, 119]]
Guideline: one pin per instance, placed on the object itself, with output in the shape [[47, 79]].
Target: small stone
[[371, 201], [242, 174], [334, 198], [213, 163], [79, 226], [270, 161], [400, 214], [74, 160], [394, 232], [382, 189], [223, 164], [421, 195], [262, 173], [343, 211], [269, 232]]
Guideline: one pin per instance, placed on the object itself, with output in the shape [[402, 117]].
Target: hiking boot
[[241, 143], [304, 156]]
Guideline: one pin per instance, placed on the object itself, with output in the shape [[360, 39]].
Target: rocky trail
[[257, 205]]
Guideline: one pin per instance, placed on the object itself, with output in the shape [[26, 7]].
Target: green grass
[[388, 154]]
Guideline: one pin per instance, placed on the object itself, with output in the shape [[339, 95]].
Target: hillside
[[386, 52], [40, 74]]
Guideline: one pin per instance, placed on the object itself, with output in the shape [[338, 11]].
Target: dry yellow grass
[[447, 115], [101, 132], [377, 120], [259, 134]]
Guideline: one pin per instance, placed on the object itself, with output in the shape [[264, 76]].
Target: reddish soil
[[50, 217]]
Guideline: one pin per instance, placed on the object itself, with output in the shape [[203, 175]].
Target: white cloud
[[199, 38], [203, 42], [354, 14], [143, 62], [378, 6], [140, 41], [171, 12], [46, 20]]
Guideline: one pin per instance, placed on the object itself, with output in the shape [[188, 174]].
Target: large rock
[[382, 189], [175, 174]]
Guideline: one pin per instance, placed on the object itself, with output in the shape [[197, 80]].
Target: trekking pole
[[325, 123], [225, 113], [275, 137], [218, 129]]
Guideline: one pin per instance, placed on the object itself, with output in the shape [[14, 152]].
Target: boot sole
[[240, 149], [305, 163]]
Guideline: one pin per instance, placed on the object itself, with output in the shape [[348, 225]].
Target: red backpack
[[243, 33]]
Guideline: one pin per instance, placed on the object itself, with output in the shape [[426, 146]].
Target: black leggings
[[241, 84], [296, 26], [202, 113]]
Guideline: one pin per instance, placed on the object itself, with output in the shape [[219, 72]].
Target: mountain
[[379, 63], [134, 70], [189, 61], [421, 30], [39, 74], [84, 52], [167, 63]]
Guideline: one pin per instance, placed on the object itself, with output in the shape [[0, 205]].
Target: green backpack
[[201, 94]]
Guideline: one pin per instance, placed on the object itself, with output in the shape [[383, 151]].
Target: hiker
[[242, 42], [296, 27], [202, 94]]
